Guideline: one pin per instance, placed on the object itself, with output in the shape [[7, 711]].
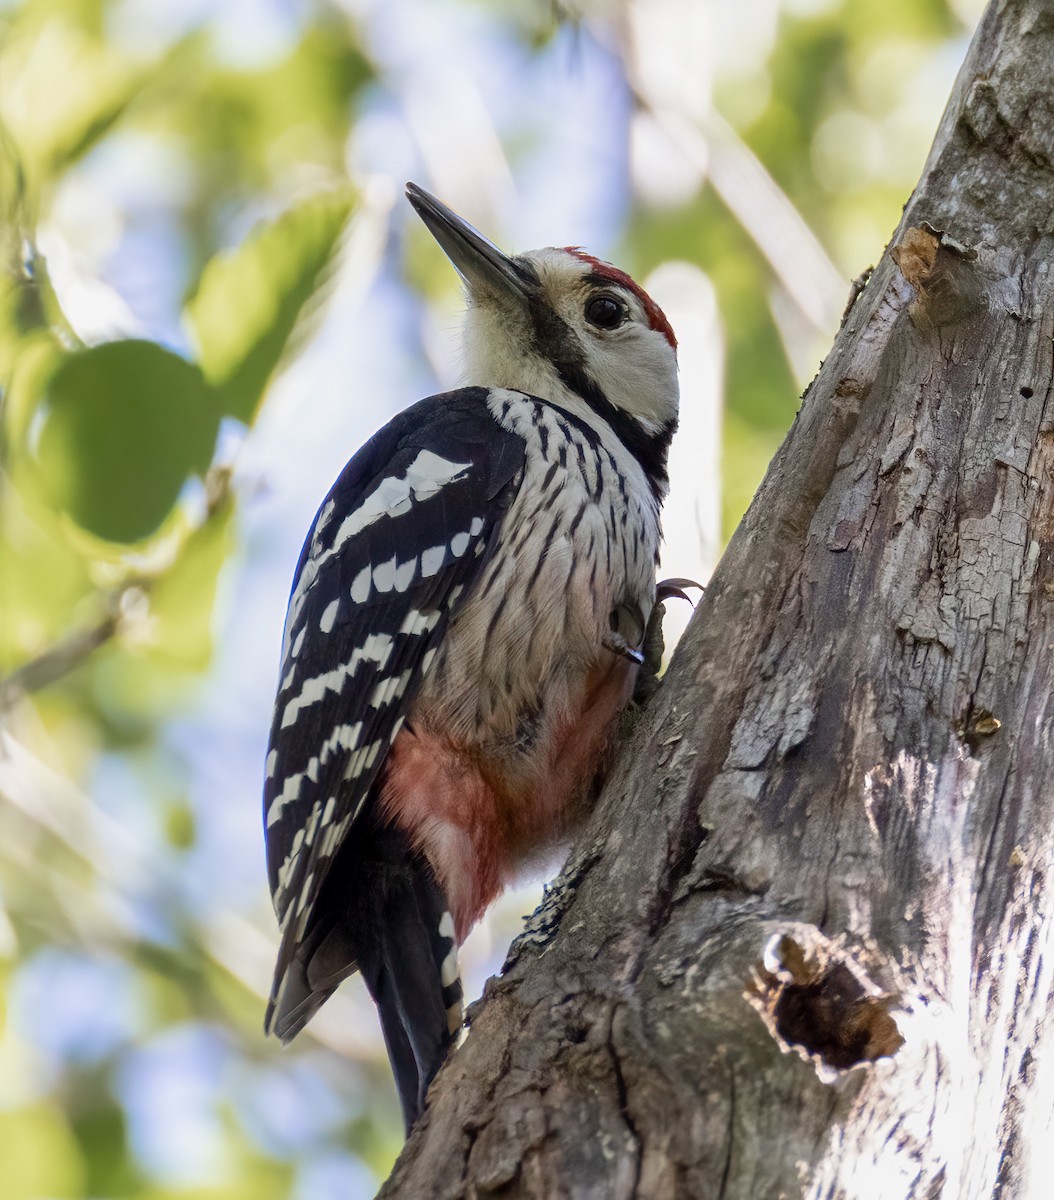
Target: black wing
[[396, 546]]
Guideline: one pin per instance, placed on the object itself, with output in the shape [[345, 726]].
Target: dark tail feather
[[323, 958], [403, 961], [380, 911]]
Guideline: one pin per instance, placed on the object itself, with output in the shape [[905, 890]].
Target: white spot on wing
[[384, 575], [272, 758], [424, 477], [290, 791], [360, 586], [311, 824], [448, 972], [390, 689], [296, 602], [324, 516], [376, 648], [304, 837], [404, 574], [391, 574], [416, 622], [329, 616], [298, 645], [363, 759], [476, 526], [459, 544], [286, 869], [333, 834], [344, 736], [446, 925], [432, 560]]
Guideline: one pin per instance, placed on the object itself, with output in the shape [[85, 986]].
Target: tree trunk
[[804, 947]]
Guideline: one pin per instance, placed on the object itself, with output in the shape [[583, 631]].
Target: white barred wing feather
[[396, 546]]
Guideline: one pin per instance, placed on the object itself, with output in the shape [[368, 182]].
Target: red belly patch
[[479, 812]]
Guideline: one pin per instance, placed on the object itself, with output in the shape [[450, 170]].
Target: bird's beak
[[484, 268]]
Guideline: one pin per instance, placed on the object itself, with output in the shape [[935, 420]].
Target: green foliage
[[40, 1154], [249, 299], [44, 580], [99, 1125], [182, 600], [62, 86], [113, 516], [125, 424]]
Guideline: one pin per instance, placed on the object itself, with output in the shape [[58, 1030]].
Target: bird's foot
[[654, 645], [617, 644]]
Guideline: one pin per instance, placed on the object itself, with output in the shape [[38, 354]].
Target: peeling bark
[[804, 947]]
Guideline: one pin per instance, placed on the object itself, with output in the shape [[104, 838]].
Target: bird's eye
[[605, 312]]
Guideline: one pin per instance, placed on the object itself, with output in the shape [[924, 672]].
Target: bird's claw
[[617, 644], [654, 644], [667, 589]]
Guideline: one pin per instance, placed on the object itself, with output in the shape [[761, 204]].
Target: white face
[[588, 320]]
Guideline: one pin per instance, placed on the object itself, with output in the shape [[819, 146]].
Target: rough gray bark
[[804, 948]]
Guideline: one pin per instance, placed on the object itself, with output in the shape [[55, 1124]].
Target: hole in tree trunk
[[834, 1018]]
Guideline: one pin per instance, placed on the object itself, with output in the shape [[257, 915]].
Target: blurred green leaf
[[182, 600], [246, 124], [27, 362], [99, 1124], [39, 1155], [29, 309], [126, 423], [60, 89], [43, 580], [180, 825], [250, 299], [13, 218], [256, 1178]]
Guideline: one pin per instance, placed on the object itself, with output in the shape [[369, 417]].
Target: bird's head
[[566, 327]]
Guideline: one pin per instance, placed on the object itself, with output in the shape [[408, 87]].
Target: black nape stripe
[[651, 450], [556, 340]]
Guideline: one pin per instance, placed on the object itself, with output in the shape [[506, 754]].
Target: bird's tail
[[382, 912], [410, 968]]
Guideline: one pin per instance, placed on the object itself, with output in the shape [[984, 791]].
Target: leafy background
[[211, 292]]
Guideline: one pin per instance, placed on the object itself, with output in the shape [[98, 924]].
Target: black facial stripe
[[649, 449], [553, 337], [558, 342]]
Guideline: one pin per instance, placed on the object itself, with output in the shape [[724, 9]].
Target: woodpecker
[[464, 631]]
